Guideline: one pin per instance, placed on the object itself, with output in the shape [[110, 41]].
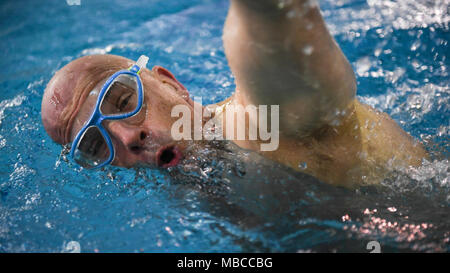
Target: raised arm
[[281, 52]]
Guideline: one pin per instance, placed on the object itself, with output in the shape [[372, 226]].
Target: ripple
[[109, 48], [5, 104]]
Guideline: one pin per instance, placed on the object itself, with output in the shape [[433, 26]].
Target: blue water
[[399, 50]]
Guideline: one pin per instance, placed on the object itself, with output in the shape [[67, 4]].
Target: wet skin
[[357, 145]]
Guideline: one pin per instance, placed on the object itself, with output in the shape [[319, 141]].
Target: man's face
[[143, 139]]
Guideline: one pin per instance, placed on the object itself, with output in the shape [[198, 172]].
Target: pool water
[[398, 49]]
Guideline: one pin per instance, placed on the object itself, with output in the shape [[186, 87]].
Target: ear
[[165, 76]]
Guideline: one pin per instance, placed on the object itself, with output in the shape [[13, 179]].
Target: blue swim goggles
[[120, 97]]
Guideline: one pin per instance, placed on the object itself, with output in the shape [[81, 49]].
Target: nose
[[131, 137]]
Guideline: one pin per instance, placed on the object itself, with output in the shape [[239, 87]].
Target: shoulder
[[385, 140]]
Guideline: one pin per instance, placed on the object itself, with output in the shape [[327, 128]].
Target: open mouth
[[168, 156]]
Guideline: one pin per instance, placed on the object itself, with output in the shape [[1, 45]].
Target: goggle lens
[[92, 149], [121, 98]]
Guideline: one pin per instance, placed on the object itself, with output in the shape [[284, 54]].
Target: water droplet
[[303, 166], [308, 50]]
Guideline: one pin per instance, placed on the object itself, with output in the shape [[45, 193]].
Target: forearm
[[283, 54], [283, 25], [293, 28]]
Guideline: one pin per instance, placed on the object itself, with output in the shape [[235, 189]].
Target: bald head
[[68, 89]]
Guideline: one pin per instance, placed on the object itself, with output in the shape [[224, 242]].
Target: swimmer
[[280, 53]]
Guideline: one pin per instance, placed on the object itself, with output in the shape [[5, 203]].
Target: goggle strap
[[140, 63]]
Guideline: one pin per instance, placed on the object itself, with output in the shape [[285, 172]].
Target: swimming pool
[[399, 50]]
